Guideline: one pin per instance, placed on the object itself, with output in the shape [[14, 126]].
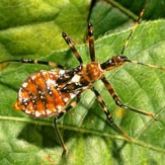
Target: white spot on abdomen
[[48, 111], [50, 82], [24, 85], [72, 95], [37, 114], [66, 99]]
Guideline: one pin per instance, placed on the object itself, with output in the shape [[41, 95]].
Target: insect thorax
[[92, 71]]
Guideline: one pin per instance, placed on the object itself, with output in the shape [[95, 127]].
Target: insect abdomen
[[40, 95]]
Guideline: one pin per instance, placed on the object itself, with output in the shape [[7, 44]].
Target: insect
[[53, 93]]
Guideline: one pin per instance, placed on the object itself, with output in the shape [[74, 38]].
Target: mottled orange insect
[[53, 93]]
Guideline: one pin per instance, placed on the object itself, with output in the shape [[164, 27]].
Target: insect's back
[[40, 95]]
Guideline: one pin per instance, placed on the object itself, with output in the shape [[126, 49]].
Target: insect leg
[[72, 47], [119, 102], [31, 61], [108, 114], [136, 23], [72, 104], [90, 39], [59, 137]]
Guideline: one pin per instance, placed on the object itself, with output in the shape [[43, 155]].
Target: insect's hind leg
[[72, 104], [59, 137], [120, 103], [31, 61], [109, 116]]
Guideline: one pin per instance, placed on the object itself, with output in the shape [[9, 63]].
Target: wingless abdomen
[[40, 95]]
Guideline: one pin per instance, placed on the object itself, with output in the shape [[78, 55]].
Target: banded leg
[[72, 47], [90, 39], [59, 137], [31, 61], [109, 116], [119, 102], [136, 23], [57, 131]]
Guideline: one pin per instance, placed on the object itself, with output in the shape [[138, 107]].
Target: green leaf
[[32, 29]]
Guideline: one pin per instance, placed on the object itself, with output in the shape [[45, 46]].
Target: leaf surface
[[33, 30]]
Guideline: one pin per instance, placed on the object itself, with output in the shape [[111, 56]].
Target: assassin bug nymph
[[53, 93]]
